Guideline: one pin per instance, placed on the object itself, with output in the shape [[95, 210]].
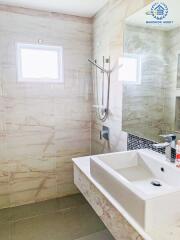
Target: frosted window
[[131, 70], [39, 63]]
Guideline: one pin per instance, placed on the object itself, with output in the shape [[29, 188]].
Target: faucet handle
[[169, 137], [161, 145]]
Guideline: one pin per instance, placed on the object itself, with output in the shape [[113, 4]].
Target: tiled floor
[[69, 218]]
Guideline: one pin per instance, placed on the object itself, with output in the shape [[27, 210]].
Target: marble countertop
[[170, 233]]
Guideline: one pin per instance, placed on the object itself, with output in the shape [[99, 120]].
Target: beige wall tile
[[40, 123], [108, 26]]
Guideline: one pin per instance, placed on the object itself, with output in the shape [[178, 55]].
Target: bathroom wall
[[108, 28], [42, 126]]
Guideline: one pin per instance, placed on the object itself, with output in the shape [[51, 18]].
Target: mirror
[[151, 71]]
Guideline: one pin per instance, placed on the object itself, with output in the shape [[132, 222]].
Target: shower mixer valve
[[104, 133]]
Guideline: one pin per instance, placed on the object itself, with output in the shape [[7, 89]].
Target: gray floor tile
[[5, 231], [68, 218], [72, 201], [4, 215], [67, 225], [102, 235], [50, 206], [32, 210]]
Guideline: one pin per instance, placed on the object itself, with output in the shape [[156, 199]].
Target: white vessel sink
[[129, 178]]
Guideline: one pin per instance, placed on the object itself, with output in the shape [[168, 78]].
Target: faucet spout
[[169, 144], [161, 145]]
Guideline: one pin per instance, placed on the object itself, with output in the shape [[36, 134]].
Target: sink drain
[[156, 183]]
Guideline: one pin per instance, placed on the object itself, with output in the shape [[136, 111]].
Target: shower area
[[43, 124]]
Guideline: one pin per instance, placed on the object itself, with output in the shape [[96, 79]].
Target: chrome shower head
[[98, 66]]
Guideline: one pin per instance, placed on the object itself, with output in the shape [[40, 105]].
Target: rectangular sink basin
[[143, 183]]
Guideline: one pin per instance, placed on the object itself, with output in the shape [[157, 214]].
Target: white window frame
[[139, 69], [59, 50]]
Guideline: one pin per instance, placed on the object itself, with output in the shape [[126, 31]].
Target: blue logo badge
[[159, 11]]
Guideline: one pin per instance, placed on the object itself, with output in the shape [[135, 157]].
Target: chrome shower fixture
[[100, 67], [102, 85]]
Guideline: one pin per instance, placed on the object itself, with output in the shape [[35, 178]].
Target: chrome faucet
[[169, 144]]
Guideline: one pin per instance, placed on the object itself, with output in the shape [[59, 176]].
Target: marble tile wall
[[173, 72], [42, 126], [168, 75], [143, 104], [108, 29]]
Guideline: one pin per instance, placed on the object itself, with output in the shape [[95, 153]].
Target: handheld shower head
[[98, 66]]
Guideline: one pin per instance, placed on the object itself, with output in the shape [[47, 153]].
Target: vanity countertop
[[170, 233]]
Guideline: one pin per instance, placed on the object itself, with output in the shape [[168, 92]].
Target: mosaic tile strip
[[135, 142]]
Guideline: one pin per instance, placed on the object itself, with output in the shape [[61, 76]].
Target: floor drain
[[156, 183]]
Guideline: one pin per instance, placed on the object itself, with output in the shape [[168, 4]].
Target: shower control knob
[[104, 133]]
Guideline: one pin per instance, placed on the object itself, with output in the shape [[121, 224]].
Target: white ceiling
[[85, 8]]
